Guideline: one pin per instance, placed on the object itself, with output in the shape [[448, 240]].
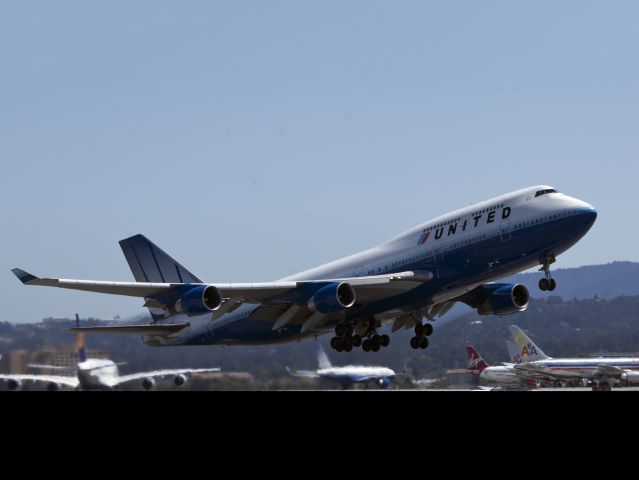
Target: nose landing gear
[[547, 283]]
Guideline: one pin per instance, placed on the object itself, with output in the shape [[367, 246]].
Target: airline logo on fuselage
[[454, 227]]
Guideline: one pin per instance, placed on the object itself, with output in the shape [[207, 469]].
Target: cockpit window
[[544, 192]]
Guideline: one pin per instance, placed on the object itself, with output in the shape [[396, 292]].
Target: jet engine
[[199, 300], [501, 299], [630, 377], [179, 380], [332, 298], [383, 382], [148, 383]]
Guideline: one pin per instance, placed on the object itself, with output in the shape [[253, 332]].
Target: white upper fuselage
[[356, 373], [453, 230]]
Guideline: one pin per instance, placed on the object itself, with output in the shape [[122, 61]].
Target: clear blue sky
[[254, 139]]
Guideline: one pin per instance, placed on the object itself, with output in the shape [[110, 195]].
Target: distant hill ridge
[[610, 280]]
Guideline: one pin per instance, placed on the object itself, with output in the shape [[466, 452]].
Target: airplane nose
[[587, 214]]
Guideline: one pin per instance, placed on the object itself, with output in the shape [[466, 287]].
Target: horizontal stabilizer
[[162, 329]]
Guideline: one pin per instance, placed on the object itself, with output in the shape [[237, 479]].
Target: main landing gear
[[548, 283], [421, 332], [344, 341]]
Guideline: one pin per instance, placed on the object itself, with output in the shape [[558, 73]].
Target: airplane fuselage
[[584, 367], [462, 249]]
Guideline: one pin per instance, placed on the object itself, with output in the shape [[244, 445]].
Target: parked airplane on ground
[[601, 370], [504, 375], [97, 374], [418, 274], [346, 376]]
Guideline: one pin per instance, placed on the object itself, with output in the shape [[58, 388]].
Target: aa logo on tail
[[528, 349]]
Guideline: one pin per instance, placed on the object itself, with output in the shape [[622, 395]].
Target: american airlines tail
[[527, 351], [476, 364], [322, 359], [149, 263]]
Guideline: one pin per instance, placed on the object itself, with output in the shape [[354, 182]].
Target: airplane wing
[[302, 373], [161, 373], [609, 371], [367, 288], [536, 372], [69, 381], [158, 329], [281, 296]]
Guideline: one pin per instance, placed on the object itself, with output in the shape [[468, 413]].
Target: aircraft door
[[505, 232]]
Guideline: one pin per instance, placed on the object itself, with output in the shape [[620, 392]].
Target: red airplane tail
[[476, 364]]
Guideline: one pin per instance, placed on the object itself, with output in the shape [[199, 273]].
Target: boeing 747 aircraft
[[348, 375], [418, 274], [97, 374]]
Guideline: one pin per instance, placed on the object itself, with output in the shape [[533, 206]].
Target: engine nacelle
[[13, 384], [333, 297], [148, 383], [503, 299], [630, 378], [179, 380], [199, 300], [383, 382], [53, 386]]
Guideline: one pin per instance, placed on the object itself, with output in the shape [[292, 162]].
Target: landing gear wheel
[[419, 330], [384, 340], [357, 341], [335, 342], [424, 343], [414, 342], [547, 283], [366, 345], [428, 329], [375, 343], [340, 347]]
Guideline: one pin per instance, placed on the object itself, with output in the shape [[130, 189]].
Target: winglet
[[24, 277]]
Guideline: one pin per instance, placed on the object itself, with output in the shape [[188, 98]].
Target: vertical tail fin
[[526, 348], [476, 363], [322, 358], [149, 263], [513, 352], [82, 353]]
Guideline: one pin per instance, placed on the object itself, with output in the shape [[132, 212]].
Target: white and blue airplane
[[97, 374], [348, 375], [418, 274]]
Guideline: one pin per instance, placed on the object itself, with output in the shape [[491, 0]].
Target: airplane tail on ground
[[476, 364], [526, 348], [149, 263], [322, 358]]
